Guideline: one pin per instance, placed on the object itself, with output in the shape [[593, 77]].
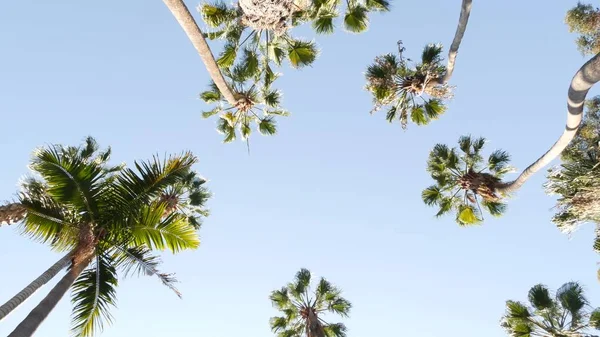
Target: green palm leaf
[[378, 5], [356, 19], [92, 294], [323, 24], [431, 54], [301, 53], [432, 195], [216, 14], [172, 232], [539, 297], [335, 330], [267, 126], [227, 56], [225, 128]]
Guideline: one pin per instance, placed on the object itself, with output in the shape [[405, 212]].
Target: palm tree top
[[303, 308], [465, 182], [566, 313], [409, 91]]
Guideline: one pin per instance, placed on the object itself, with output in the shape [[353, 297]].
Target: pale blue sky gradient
[[336, 191]]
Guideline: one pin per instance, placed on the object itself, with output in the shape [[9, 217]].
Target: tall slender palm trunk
[[11, 213], [465, 11], [35, 318], [32, 287], [581, 83], [187, 22]]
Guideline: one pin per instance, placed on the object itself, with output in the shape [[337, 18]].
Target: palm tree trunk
[[581, 83], [11, 213], [35, 318], [465, 11], [22, 295], [185, 19], [315, 328]]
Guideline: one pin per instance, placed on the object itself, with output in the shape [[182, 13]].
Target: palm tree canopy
[[76, 200], [564, 314], [409, 91], [465, 181], [303, 309], [254, 43], [577, 180], [585, 20]]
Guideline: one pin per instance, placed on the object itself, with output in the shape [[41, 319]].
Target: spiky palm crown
[[564, 314], [577, 180], [303, 309], [260, 104], [409, 91], [76, 202], [585, 20], [464, 182]]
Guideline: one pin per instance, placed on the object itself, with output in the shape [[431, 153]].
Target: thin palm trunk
[[187, 22], [11, 213], [24, 294], [35, 318], [465, 11], [581, 83]]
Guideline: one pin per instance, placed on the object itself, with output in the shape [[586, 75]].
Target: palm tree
[[577, 180], [302, 310], [401, 88], [237, 104], [107, 218], [254, 85], [395, 85], [585, 20], [257, 36], [464, 181], [564, 315], [581, 83]]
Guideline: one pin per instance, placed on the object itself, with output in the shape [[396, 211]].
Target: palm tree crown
[[464, 182], [110, 218], [564, 315], [409, 91], [585, 20], [303, 310], [262, 102], [577, 180]]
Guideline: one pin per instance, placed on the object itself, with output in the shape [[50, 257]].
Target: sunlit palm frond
[[172, 232]]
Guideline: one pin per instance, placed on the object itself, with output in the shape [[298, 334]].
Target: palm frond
[[335, 330], [139, 260], [301, 53], [172, 232], [356, 19], [92, 295], [539, 297]]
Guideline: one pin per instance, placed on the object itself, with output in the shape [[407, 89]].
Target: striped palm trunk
[[32, 287]]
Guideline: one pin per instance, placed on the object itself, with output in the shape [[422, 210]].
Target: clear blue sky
[[336, 191]]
